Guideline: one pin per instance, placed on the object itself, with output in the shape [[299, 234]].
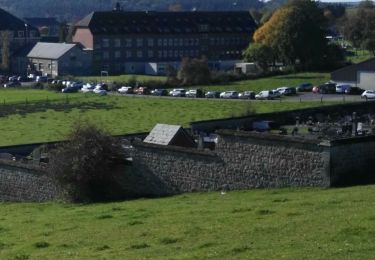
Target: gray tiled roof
[[162, 134], [47, 50], [119, 22]]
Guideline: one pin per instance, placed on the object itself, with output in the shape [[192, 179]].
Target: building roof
[[350, 73], [12, 23], [48, 50], [120, 22], [163, 134], [41, 21]]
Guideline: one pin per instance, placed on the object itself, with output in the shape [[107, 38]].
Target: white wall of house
[[366, 79]]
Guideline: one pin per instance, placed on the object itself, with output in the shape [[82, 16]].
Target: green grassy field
[[48, 116], [28, 116], [291, 80], [258, 224], [122, 78]]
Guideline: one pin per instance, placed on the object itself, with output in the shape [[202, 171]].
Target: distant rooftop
[[47, 50], [163, 134]]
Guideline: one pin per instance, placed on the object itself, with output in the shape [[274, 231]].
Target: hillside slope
[[257, 224], [75, 9]]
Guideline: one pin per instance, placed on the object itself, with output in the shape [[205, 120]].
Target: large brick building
[[18, 37], [146, 42]]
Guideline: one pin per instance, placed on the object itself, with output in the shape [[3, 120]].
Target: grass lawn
[[122, 78], [291, 80], [359, 56], [48, 116], [257, 224]]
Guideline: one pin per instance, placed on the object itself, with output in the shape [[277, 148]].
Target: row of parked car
[[198, 93]]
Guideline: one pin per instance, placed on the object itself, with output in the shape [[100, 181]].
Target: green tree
[[296, 32], [194, 72], [262, 54], [359, 27]]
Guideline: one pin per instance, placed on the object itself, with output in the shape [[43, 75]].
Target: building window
[[150, 54], [128, 54], [160, 54], [128, 42], [139, 54], [117, 43], [105, 55], [139, 42], [150, 42], [176, 54], [21, 34], [160, 42], [181, 42], [170, 53], [165, 54], [117, 54], [170, 42], [97, 45], [105, 43], [32, 34], [165, 42]]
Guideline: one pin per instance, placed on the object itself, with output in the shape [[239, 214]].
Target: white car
[[125, 90], [265, 94], [229, 94], [98, 90], [368, 94], [178, 92], [87, 88]]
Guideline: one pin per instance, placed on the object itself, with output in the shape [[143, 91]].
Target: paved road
[[298, 98]]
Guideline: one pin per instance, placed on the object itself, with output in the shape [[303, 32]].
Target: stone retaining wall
[[240, 161], [25, 183]]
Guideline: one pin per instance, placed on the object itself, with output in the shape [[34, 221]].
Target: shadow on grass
[[35, 107]]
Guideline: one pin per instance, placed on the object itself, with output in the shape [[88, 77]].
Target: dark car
[[354, 91], [304, 87], [328, 88], [160, 92], [14, 83], [212, 94]]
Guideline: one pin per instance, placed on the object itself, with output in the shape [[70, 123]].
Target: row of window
[[170, 42], [105, 55], [22, 34]]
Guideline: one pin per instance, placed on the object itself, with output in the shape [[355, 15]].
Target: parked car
[[43, 79], [196, 93], [247, 95], [327, 88], [354, 91], [229, 94], [99, 90], [69, 90], [304, 87], [341, 88], [275, 93], [88, 88], [287, 91], [14, 83], [265, 94], [178, 92], [125, 90], [368, 94], [160, 92], [212, 94], [142, 91]]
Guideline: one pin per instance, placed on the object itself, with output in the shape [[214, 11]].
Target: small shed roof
[[48, 50], [163, 134]]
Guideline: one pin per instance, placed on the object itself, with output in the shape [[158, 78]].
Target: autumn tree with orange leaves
[[296, 34]]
